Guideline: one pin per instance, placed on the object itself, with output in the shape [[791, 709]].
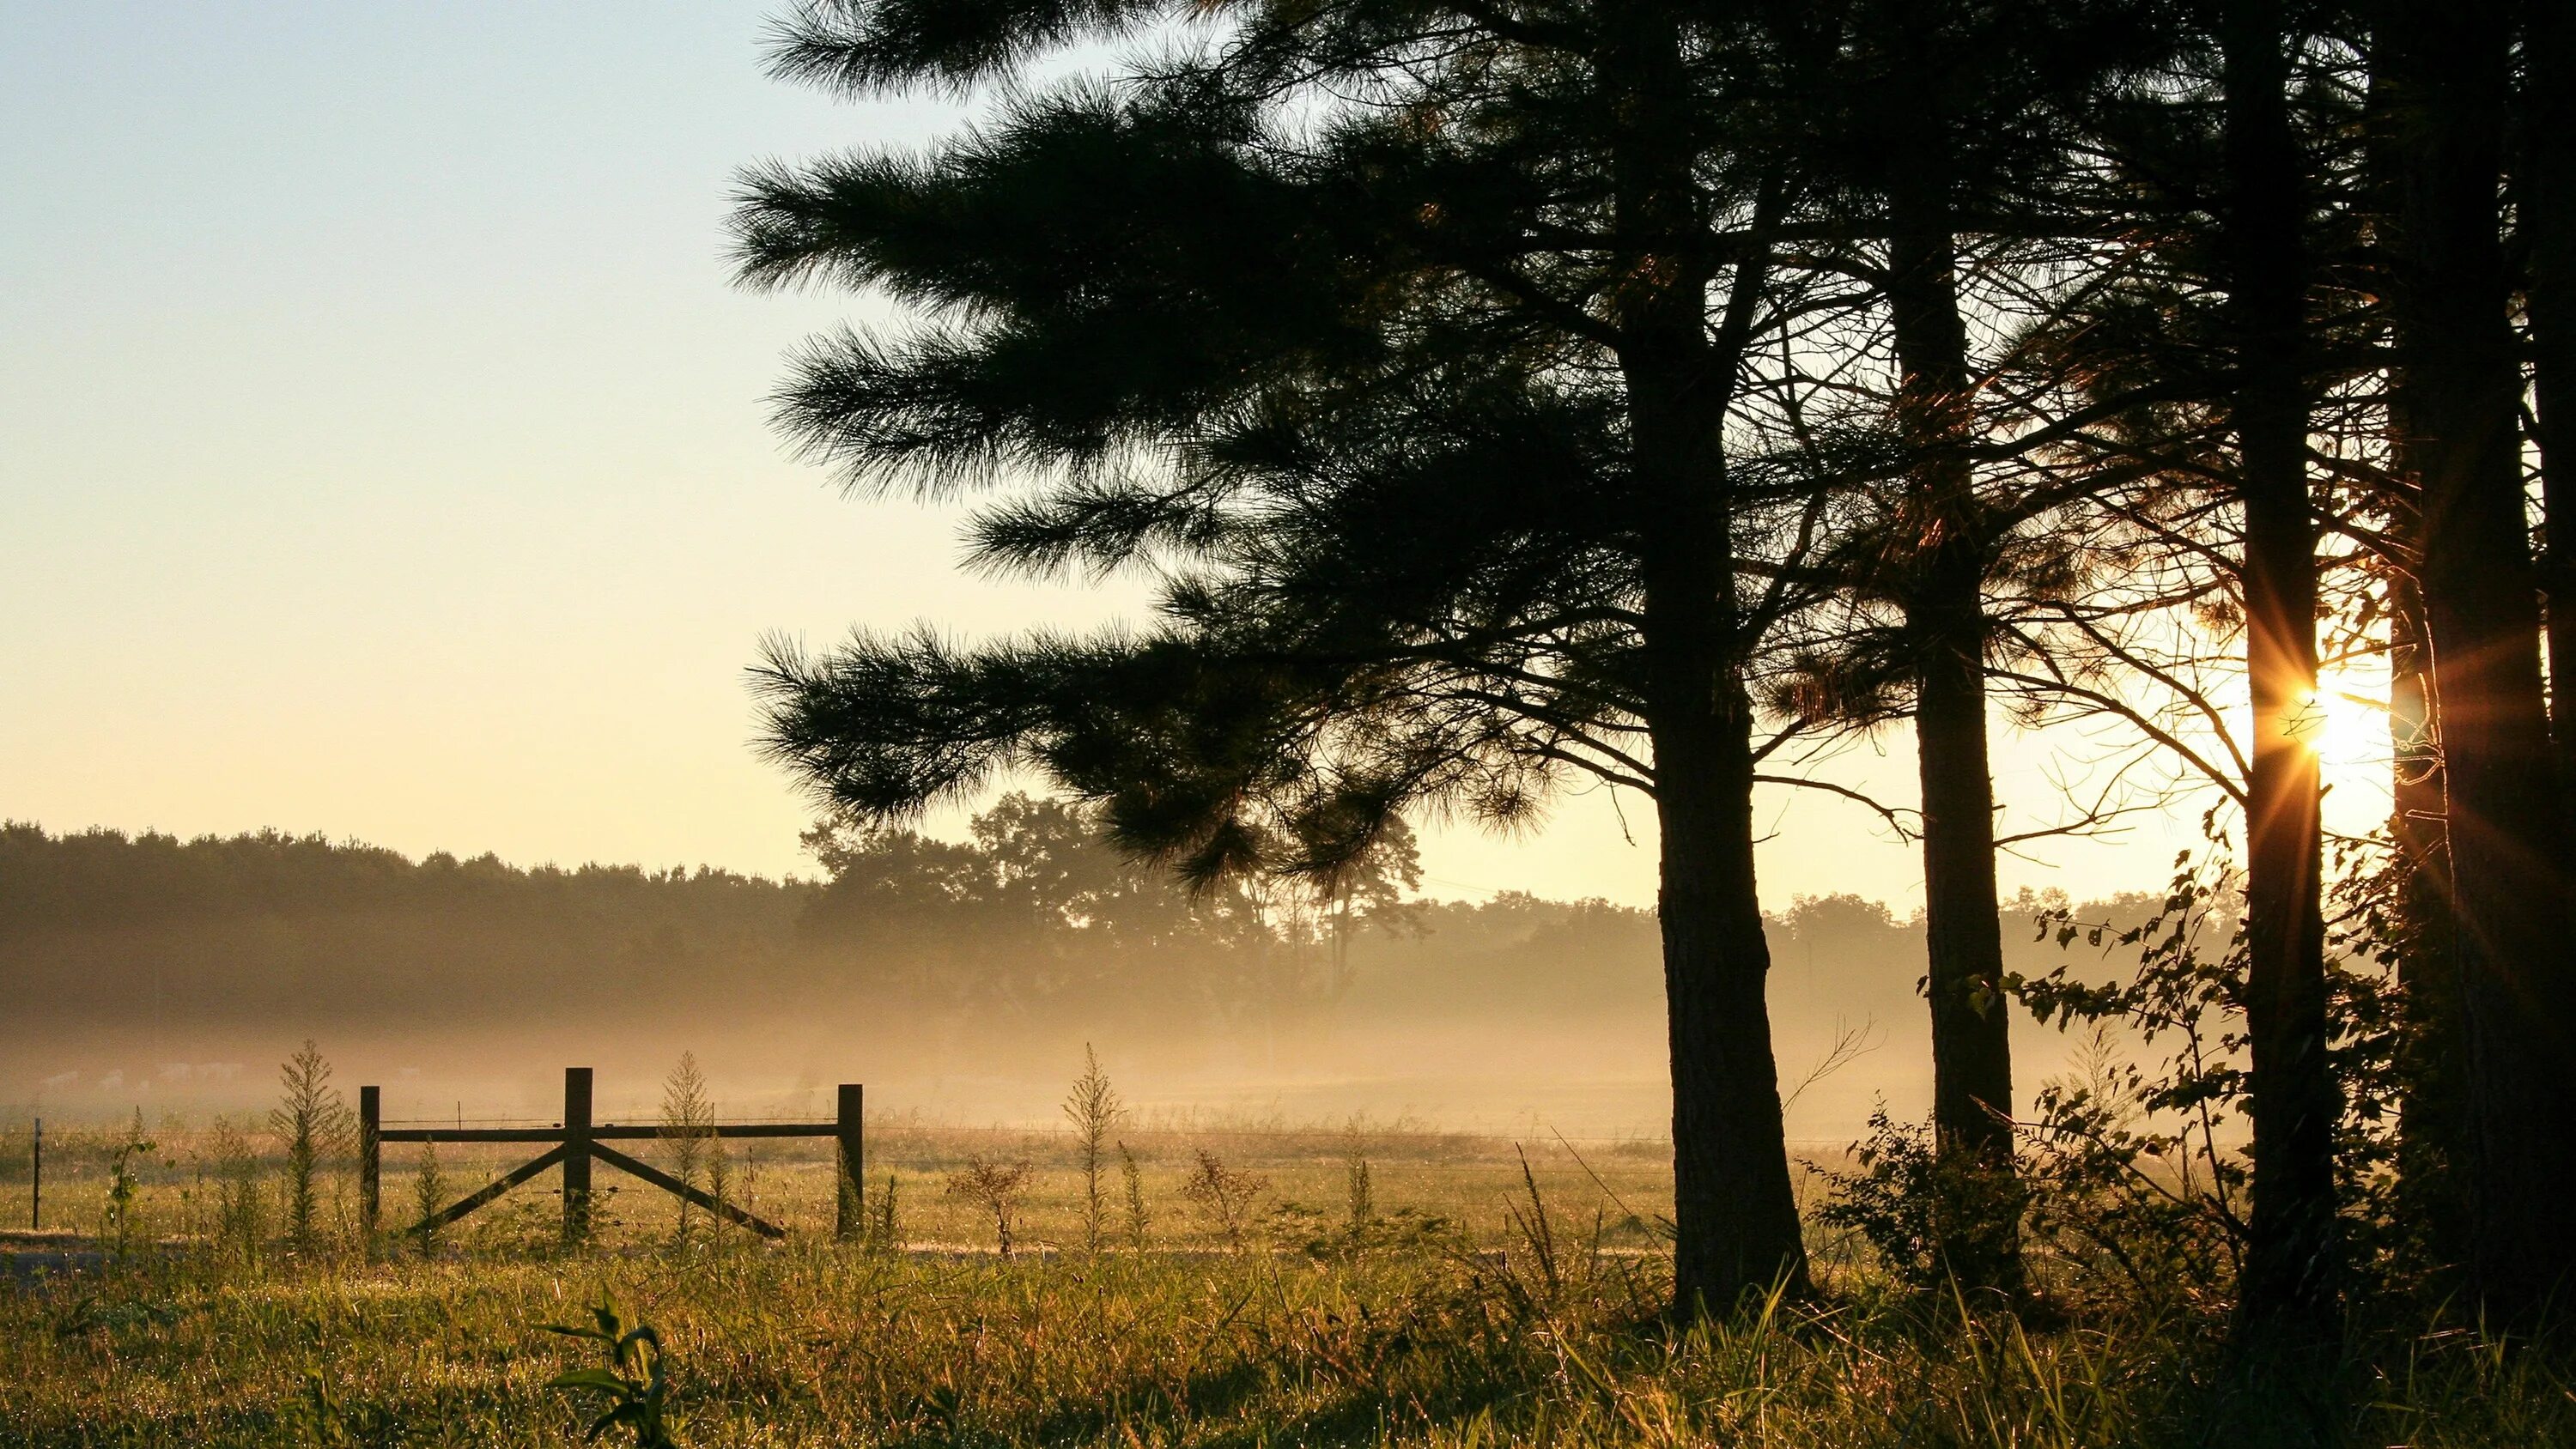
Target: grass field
[[1469, 1182], [1455, 1318]]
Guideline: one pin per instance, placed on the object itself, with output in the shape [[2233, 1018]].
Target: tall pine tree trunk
[[1946, 624], [2432, 1134], [2447, 63], [2432, 1131], [1734, 1211], [2289, 1281], [1735, 1214], [2548, 217]]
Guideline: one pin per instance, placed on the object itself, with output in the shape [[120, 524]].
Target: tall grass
[[688, 1124], [318, 1129], [820, 1343], [1328, 1286], [1093, 1110]]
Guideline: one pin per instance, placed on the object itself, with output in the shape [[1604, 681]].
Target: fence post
[[370, 1151], [576, 1163], [851, 1159], [36, 1182]]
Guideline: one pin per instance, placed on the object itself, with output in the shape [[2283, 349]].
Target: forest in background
[[958, 974]]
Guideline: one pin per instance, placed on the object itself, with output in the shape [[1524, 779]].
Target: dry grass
[[1429, 1336], [1457, 1179]]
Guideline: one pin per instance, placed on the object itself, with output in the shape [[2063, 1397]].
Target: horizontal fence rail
[[606, 1132]]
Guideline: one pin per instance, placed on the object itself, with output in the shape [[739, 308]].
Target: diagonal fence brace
[[677, 1188], [491, 1190]]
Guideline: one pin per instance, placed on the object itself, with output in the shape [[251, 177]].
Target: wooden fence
[[578, 1142]]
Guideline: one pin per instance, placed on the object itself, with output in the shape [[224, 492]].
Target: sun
[[2345, 727]]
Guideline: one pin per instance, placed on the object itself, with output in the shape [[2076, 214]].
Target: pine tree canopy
[[1351, 373]]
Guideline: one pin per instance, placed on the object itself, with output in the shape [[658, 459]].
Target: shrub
[[241, 1202], [428, 1195], [996, 1188], [1226, 1196], [121, 1220], [1361, 1201], [884, 1233], [1910, 1200]]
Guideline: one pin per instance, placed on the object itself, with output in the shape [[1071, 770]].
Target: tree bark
[[2448, 65], [2290, 1265], [2548, 219], [1734, 1212], [1735, 1215], [2432, 1133], [1946, 626]]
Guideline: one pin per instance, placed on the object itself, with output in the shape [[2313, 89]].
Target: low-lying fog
[[959, 980]]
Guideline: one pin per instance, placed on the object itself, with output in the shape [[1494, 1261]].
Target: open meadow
[[1804, 726], [1457, 1297]]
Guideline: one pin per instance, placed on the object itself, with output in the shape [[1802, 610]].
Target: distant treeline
[[1030, 930]]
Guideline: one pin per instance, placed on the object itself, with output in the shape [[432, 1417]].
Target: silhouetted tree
[[2458, 389], [1954, 131], [1445, 410], [2263, 260]]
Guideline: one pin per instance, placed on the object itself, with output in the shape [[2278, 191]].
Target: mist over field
[[959, 979]]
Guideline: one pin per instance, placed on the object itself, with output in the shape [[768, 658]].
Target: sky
[[384, 453]]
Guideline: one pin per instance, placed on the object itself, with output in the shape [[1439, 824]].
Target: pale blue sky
[[383, 450]]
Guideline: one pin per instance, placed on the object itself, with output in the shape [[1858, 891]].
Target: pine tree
[[1516, 426], [1444, 396], [2292, 1268], [1948, 132]]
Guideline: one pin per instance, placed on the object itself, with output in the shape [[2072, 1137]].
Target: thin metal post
[[36, 1182], [370, 1147], [851, 1159], [576, 1163]]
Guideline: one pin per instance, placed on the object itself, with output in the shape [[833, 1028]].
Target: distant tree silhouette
[[1032, 916]]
